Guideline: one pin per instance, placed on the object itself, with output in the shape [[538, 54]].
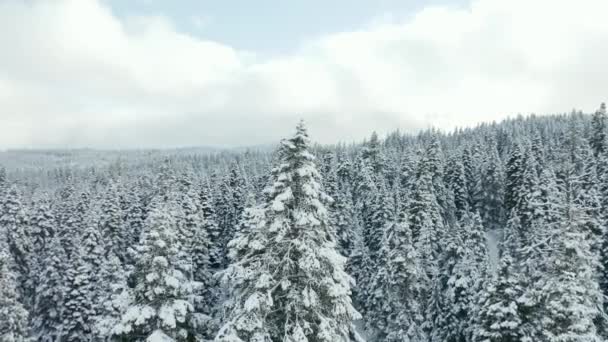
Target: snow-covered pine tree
[[426, 222], [14, 224], [212, 228], [514, 177], [345, 220], [162, 296], [114, 298], [492, 195], [572, 291], [360, 267], [13, 315], [111, 222], [49, 302], [42, 227], [372, 154], [456, 181], [381, 216], [448, 300], [289, 283], [599, 130], [78, 312], [64, 213], [471, 161], [193, 255], [397, 292]]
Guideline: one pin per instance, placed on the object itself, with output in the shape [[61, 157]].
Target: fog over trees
[[496, 233]]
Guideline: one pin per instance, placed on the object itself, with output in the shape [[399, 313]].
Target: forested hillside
[[387, 240]]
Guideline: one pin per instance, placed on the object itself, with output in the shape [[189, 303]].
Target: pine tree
[[492, 195], [424, 217], [161, 300], [289, 283], [345, 220], [360, 266], [212, 228], [78, 312], [598, 138], [514, 178], [14, 223], [372, 154], [48, 307], [13, 315], [572, 290], [111, 222], [114, 299], [448, 301], [42, 225], [397, 292], [381, 216], [67, 224], [456, 181]]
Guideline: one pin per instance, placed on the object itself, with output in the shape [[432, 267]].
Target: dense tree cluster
[[488, 234]]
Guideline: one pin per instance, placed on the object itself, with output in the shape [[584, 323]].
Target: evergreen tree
[[514, 178], [572, 291], [598, 138], [372, 154], [456, 181], [424, 217], [161, 300], [13, 316], [49, 303], [14, 223], [289, 283], [78, 311], [492, 195], [397, 292], [111, 222]]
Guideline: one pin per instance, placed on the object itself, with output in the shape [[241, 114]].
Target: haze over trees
[[487, 234]]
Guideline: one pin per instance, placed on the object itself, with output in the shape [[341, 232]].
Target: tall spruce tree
[[13, 315], [289, 283], [162, 297]]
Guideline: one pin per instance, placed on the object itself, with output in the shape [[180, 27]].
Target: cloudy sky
[[154, 73]]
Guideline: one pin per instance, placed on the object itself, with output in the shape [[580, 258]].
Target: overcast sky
[[152, 73]]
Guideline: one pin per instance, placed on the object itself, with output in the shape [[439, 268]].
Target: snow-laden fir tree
[[397, 292], [161, 301], [47, 320], [514, 177], [573, 297], [426, 222], [13, 315], [42, 228], [456, 181], [599, 130], [373, 155], [471, 160], [381, 216], [79, 302], [492, 194], [14, 225], [111, 222], [447, 302], [360, 267], [114, 299], [287, 281]]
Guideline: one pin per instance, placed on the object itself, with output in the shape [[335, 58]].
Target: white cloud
[[74, 74]]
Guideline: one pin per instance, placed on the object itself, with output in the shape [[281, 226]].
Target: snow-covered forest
[[492, 233]]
